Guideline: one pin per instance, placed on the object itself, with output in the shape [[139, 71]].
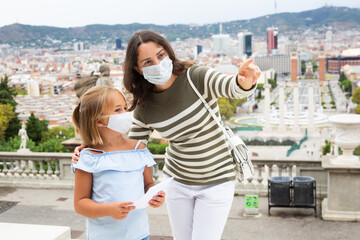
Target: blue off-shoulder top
[[117, 176]]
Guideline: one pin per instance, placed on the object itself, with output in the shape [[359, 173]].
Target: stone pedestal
[[24, 150], [342, 203]]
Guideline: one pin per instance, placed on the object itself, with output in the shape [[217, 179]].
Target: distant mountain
[[339, 18]]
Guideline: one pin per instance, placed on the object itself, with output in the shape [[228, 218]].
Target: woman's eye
[[147, 63]]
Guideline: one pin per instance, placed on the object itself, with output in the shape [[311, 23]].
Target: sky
[[75, 13]]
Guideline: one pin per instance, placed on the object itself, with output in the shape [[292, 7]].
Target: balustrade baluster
[[19, 169], [280, 167], [5, 170], [57, 172], [155, 172], [270, 166], [12, 170], [259, 177], [291, 171], [41, 171], [27, 169], [49, 170], [34, 171]]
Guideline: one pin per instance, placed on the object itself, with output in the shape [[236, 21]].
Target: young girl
[[113, 171]]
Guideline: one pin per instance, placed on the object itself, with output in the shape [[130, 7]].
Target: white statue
[[24, 137]]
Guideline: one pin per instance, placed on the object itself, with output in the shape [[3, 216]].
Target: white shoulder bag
[[240, 153]]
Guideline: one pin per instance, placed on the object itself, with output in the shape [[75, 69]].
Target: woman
[[200, 198]]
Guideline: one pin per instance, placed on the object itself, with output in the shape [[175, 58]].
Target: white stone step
[[16, 231]]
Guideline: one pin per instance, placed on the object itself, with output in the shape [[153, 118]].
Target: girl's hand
[[248, 74], [120, 210], [157, 200], [75, 156]]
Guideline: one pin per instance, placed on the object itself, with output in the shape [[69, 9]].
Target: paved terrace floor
[[55, 207]]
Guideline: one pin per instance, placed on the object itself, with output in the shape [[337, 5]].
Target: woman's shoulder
[[197, 71]]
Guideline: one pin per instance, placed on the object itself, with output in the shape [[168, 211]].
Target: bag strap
[[233, 140]]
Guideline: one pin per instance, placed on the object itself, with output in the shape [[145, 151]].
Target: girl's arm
[[157, 200], [91, 209]]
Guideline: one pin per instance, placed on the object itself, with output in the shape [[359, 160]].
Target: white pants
[[198, 212]]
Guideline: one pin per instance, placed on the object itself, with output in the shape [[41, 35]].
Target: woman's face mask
[[159, 74], [119, 122]]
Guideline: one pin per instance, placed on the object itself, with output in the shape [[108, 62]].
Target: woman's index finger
[[247, 63]]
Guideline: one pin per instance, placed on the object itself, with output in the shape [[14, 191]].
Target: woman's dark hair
[[134, 82]]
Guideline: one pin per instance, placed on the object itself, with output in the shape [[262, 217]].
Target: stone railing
[[36, 170], [31, 170], [269, 167]]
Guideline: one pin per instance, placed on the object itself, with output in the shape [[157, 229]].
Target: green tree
[[6, 114], [35, 127], [346, 84], [260, 87], [327, 148], [342, 77], [357, 109], [272, 82], [357, 151], [7, 95], [303, 67], [13, 144], [52, 145], [315, 66], [226, 109], [54, 133], [356, 96], [228, 106]]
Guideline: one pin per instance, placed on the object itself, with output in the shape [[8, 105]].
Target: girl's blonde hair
[[85, 116]]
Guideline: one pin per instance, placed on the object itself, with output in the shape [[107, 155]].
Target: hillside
[[339, 18]]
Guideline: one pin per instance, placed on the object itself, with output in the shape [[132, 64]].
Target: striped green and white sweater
[[197, 153]]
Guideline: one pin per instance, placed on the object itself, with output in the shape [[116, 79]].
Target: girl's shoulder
[[137, 144], [124, 160]]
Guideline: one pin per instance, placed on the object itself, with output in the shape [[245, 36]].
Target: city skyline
[[80, 13]]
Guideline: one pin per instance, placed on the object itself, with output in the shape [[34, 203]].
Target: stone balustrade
[[31, 170], [36, 170]]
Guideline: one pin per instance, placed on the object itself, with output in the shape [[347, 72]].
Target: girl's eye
[[119, 110]]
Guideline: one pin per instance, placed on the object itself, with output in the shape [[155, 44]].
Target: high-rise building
[[245, 44], [221, 43], [198, 49], [118, 44], [272, 39], [79, 46], [33, 88], [294, 64]]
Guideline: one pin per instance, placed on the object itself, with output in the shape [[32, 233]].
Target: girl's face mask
[[159, 74], [119, 122]]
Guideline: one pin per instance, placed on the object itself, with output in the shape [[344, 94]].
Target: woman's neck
[[162, 88]]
